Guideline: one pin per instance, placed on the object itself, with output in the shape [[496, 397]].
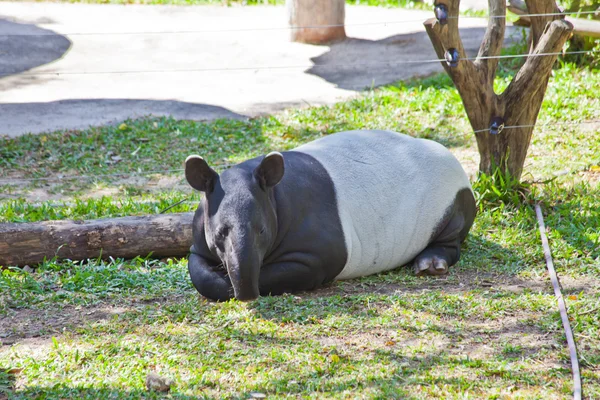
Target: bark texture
[[316, 21], [520, 103], [127, 237]]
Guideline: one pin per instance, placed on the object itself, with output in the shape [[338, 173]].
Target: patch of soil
[[34, 327], [507, 336], [50, 190], [591, 176], [457, 281], [469, 159]]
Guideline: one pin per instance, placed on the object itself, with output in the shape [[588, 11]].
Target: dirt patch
[[457, 281], [506, 336], [34, 327], [57, 190], [572, 285], [469, 159], [592, 176]]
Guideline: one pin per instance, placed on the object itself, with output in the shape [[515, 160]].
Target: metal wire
[[532, 55], [542, 125], [223, 166], [550, 14], [279, 28], [184, 32], [279, 67]]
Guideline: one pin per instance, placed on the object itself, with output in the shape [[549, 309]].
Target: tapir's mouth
[[246, 298]]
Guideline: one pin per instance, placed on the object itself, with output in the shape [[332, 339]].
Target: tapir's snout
[[246, 291], [243, 268]]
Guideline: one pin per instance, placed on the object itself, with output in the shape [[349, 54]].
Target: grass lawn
[[490, 330]]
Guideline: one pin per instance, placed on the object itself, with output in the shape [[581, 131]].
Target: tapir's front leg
[[208, 279], [288, 277]]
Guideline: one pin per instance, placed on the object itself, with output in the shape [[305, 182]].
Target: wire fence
[[186, 201], [221, 167], [304, 66], [285, 28], [271, 67], [562, 123]]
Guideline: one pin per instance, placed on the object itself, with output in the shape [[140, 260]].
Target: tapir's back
[[392, 191]]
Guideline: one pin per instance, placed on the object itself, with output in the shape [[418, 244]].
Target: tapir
[[346, 205]]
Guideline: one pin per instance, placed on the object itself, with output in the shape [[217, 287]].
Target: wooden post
[[165, 235], [520, 103], [316, 21]]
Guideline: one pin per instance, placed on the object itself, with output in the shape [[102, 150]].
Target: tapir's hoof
[[430, 265]]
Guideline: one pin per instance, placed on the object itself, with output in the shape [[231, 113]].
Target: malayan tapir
[[346, 205]]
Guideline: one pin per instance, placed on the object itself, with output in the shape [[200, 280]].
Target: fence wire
[[542, 125], [220, 167], [306, 66], [258, 68], [284, 28]]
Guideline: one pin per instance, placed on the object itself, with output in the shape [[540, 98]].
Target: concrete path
[[69, 66]]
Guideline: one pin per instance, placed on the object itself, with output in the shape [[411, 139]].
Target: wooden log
[[582, 27], [164, 235], [316, 21]]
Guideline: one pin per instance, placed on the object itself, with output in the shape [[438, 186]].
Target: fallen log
[[165, 235], [583, 27]]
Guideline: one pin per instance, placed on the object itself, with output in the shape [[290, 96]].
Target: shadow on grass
[[7, 382]]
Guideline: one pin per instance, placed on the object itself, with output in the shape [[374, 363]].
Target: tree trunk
[[518, 106], [166, 235], [316, 21]]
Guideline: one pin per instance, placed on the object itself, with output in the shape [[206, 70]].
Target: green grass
[[490, 330]]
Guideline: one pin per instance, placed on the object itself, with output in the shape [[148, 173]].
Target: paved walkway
[[69, 66]]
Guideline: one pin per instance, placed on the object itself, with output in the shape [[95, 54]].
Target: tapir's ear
[[199, 175], [270, 171]]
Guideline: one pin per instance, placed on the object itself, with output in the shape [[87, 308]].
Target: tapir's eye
[[222, 232], [262, 230]]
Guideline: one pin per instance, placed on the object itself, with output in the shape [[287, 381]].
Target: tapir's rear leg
[[444, 249]]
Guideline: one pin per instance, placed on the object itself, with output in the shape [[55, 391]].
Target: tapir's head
[[240, 221]]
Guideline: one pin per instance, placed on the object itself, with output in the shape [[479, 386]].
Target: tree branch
[[465, 76], [492, 41], [535, 72], [538, 23]]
